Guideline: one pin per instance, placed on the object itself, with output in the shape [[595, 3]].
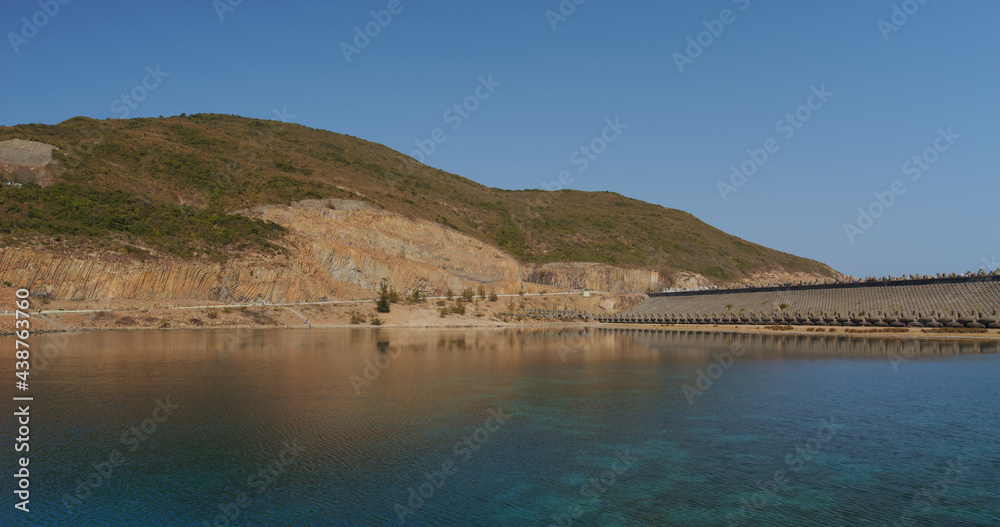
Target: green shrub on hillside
[[385, 293], [73, 210], [227, 162]]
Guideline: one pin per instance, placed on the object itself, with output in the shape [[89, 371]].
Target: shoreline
[[911, 334], [431, 313]]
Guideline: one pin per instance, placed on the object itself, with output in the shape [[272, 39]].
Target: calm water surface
[[503, 427]]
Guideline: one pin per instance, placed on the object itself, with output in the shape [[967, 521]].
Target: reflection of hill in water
[[512, 346]]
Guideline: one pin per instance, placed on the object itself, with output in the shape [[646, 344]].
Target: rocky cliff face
[[336, 250], [25, 161], [360, 247], [599, 277], [107, 277]]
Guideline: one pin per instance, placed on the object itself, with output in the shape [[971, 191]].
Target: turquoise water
[[501, 427]]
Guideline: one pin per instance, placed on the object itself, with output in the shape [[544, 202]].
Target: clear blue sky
[[940, 68]]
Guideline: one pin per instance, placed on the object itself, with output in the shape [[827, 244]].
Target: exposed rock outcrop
[[336, 249], [110, 277], [23, 152], [578, 275], [25, 161]]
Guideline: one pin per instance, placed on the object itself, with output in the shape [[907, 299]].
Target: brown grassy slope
[[222, 162]]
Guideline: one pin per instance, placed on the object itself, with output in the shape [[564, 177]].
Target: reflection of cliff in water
[[512, 346]]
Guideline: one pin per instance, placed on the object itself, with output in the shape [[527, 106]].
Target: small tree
[[481, 291], [384, 295], [467, 294], [449, 294], [493, 296]]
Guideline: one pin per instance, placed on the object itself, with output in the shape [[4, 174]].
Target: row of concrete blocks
[[822, 319]]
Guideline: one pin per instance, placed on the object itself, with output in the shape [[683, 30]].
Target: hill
[[171, 185]]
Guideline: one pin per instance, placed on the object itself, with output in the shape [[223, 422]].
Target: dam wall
[[969, 301]]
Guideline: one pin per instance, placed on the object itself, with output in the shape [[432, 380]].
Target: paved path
[[52, 321], [370, 300]]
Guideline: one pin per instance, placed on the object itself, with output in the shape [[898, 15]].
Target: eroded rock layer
[[334, 251]]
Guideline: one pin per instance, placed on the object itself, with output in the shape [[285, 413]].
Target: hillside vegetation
[[169, 183]]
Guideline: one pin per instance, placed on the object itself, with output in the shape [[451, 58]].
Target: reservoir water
[[464, 427]]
